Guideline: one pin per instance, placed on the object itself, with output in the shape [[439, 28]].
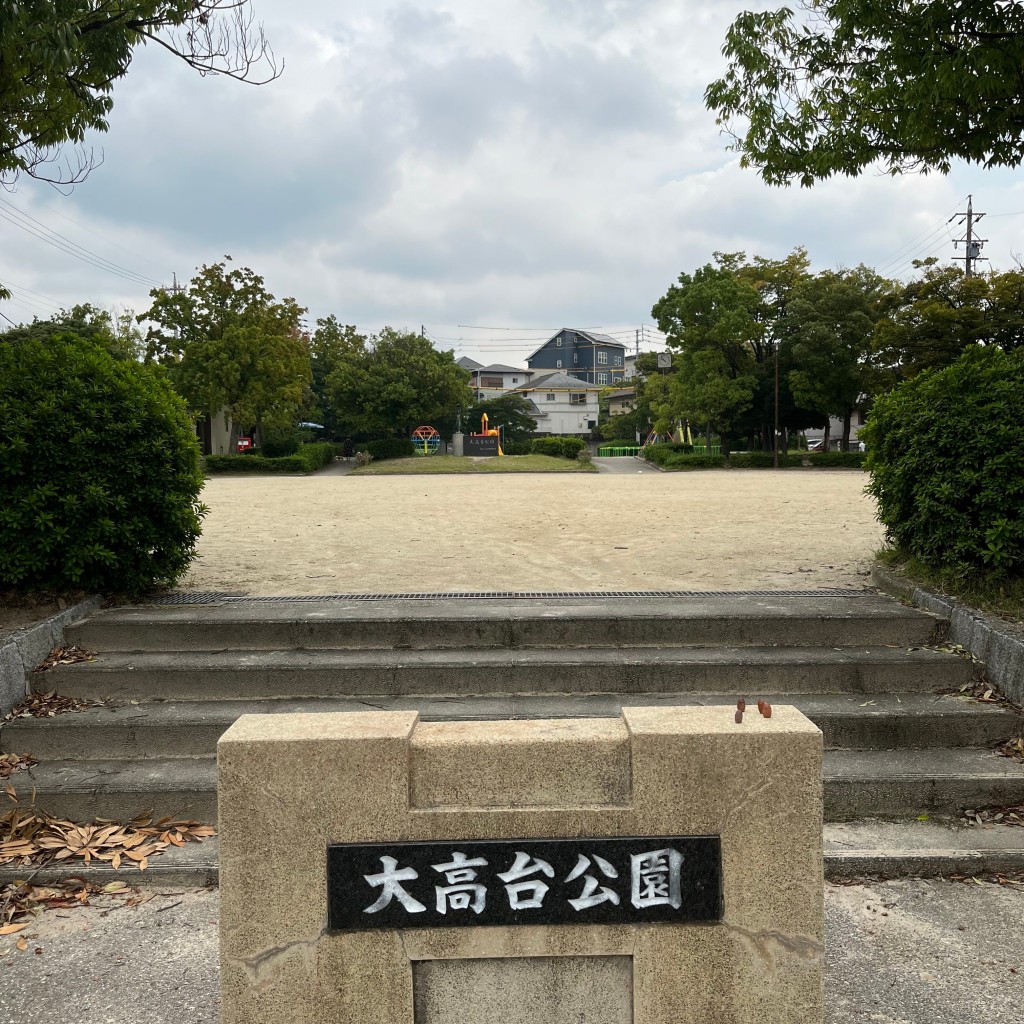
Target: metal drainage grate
[[212, 597]]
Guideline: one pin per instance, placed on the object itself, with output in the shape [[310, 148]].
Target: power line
[[58, 241], [921, 239], [109, 241]]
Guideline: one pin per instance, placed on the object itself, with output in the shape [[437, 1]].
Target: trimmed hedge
[[100, 471], [661, 452], [676, 461], [308, 459], [557, 446], [518, 447], [753, 460], [390, 448], [946, 456]]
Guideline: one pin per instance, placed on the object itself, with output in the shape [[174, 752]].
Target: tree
[[932, 319], [331, 344], [396, 382], [59, 63], [230, 345], [711, 318], [827, 331], [118, 332], [838, 84]]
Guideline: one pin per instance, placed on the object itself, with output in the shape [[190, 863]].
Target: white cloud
[[538, 162]]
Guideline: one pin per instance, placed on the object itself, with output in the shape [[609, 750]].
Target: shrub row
[[946, 456], [390, 448], [670, 456], [308, 459], [559, 447]]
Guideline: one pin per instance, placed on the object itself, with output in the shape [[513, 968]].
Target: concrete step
[[894, 783], [858, 784], [732, 621], [746, 671], [165, 729], [852, 850]]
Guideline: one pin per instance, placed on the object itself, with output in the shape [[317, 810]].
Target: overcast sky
[[522, 164]]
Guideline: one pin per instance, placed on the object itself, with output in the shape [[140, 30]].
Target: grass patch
[[434, 465], [1002, 597]]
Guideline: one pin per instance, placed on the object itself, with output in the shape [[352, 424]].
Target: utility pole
[[972, 244]]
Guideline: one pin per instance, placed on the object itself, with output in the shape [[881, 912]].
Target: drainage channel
[[213, 597]]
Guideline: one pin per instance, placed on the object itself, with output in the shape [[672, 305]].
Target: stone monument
[[660, 868]]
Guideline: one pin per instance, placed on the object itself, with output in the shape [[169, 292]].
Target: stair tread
[[780, 605], [198, 774], [190, 661], [875, 835], [186, 713]]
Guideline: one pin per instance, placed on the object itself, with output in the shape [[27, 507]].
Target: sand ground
[[712, 530]]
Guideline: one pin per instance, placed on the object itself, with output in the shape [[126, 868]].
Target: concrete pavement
[[624, 465], [902, 952]]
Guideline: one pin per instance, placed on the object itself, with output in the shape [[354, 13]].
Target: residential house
[[496, 380], [595, 358], [468, 364], [562, 404], [620, 402]]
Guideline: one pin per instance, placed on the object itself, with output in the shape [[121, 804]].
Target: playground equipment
[[426, 440], [487, 431]]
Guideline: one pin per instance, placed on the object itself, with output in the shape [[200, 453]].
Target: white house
[[496, 380], [562, 404]]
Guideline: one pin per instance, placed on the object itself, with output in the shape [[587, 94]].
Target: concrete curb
[[20, 653], [995, 643]]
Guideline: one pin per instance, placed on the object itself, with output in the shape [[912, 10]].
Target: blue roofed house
[[595, 358]]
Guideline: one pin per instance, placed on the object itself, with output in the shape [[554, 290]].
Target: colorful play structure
[[486, 431], [426, 440]]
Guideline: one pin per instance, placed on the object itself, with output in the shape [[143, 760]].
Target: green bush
[[662, 451], [557, 446], [100, 471], [752, 460], [390, 448], [675, 461], [282, 441], [308, 459], [946, 456], [829, 460], [518, 447]]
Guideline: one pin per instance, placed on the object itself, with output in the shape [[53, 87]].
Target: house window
[[578, 399], [618, 360], [602, 378], [515, 380], [558, 364], [558, 341], [492, 382], [575, 357], [602, 356], [550, 398]]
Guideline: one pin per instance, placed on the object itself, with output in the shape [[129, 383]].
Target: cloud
[[538, 162]]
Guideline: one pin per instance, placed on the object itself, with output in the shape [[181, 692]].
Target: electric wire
[[14, 216]]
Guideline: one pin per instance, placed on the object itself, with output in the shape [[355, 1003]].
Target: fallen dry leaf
[[65, 656], [29, 837], [11, 763], [49, 705]]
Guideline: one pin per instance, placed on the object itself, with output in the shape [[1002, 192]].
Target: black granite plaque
[[650, 879], [473, 444]]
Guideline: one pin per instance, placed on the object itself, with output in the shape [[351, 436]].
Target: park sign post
[[661, 867]]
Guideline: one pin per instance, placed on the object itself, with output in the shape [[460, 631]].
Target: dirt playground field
[[712, 530]]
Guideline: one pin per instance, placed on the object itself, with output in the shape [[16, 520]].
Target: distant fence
[[612, 451]]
